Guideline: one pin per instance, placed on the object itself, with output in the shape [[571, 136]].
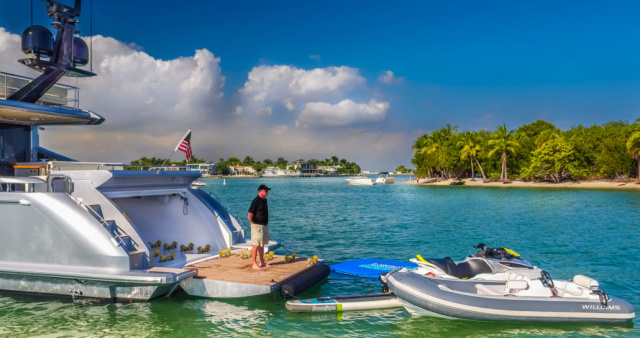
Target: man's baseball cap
[[263, 187]]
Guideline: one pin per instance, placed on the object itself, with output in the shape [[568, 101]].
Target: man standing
[[259, 218]]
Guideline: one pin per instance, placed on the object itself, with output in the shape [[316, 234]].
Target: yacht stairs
[[137, 257], [120, 238]]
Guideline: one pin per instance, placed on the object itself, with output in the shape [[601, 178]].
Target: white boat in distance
[[385, 178], [360, 180], [198, 183]]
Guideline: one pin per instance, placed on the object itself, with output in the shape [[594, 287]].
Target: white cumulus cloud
[[344, 113], [140, 89], [389, 78], [291, 86]]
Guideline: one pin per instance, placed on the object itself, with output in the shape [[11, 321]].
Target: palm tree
[[448, 131], [470, 144], [503, 141], [433, 146], [418, 145], [438, 140], [434, 143], [248, 160], [633, 144]]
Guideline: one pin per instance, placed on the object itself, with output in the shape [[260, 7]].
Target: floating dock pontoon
[[232, 277]]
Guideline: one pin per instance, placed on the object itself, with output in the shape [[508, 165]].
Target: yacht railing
[[64, 166], [57, 95]]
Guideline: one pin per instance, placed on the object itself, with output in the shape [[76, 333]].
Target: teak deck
[[232, 276]]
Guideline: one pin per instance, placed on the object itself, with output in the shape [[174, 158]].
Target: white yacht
[[97, 230], [385, 178], [360, 180]]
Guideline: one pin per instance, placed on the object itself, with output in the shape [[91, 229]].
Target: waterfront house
[[242, 170], [205, 169]]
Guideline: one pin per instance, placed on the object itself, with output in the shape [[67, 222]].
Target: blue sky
[[475, 64]]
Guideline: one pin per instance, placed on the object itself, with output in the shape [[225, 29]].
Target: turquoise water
[[567, 232]]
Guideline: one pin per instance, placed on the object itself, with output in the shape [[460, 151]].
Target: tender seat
[[512, 275], [514, 286], [586, 282], [510, 287], [569, 290], [466, 269], [580, 286], [521, 274]]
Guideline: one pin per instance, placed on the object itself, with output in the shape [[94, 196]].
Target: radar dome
[[37, 40], [80, 52]]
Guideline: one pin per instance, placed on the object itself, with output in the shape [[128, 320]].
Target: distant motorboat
[[360, 180], [198, 183], [385, 178]]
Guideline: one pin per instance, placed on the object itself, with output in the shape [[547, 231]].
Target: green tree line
[[344, 166], [536, 151], [222, 166], [158, 161]]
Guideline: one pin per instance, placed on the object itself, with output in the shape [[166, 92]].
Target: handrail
[[104, 223], [68, 183], [76, 91], [16, 202], [62, 165]]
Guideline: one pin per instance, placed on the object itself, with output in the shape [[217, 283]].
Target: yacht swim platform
[[234, 277]]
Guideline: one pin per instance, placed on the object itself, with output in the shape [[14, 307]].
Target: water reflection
[[233, 319], [418, 326]]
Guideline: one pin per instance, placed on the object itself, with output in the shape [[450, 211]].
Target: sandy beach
[[520, 184]]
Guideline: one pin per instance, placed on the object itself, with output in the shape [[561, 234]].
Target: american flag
[[185, 145]]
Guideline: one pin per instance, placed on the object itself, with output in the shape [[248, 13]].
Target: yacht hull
[[117, 288]]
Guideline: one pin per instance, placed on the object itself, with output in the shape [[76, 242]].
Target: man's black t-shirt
[[259, 210]]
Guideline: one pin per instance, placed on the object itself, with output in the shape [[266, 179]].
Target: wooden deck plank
[[236, 270]]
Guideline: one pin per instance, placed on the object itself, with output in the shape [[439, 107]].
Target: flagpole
[[165, 162], [174, 150]]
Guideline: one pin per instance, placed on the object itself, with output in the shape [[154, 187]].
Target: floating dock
[[233, 277]]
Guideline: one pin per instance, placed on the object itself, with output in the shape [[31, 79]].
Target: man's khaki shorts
[[259, 234]]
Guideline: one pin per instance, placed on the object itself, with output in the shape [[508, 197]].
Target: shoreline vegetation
[[583, 184], [535, 152]]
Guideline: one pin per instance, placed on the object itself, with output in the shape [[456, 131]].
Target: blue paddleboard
[[370, 267]]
